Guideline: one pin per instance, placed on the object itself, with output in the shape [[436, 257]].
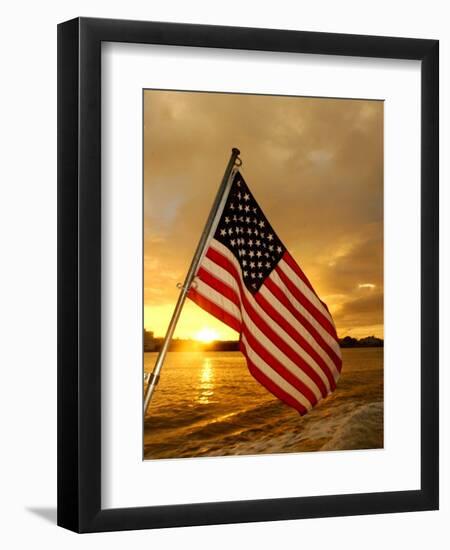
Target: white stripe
[[209, 293], [287, 315], [218, 299], [219, 273], [230, 281], [326, 336], [222, 274], [274, 376], [304, 289], [224, 251]]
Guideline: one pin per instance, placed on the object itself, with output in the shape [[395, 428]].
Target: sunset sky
[[315, 166]]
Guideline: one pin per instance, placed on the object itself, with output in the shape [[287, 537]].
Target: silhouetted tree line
[[179, 344], [367, 342]]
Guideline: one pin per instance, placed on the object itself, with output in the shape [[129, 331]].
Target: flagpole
[[221, 193]]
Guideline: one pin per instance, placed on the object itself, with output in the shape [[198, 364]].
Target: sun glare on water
[[206, 335]]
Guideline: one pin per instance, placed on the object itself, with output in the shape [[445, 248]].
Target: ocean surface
[[208, 404]]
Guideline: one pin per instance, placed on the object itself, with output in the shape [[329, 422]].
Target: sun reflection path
[[206, 388]]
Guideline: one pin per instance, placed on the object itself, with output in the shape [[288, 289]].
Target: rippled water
[[208, 404]]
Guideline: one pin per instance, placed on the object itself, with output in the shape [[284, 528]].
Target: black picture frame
[[79, 274]]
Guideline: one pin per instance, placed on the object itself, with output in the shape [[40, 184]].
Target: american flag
[[248, 280]]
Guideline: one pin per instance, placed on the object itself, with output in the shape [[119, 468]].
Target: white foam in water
[[208, 404]]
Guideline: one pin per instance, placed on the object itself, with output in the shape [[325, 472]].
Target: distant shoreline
[[233, 345]]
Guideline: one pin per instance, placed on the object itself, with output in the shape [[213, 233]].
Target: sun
[[206, 335]]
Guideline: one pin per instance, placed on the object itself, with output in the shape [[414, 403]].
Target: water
[[208, 404]]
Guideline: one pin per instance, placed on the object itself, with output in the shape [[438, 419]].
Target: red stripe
[[257, 347], [225, 289], [215, 310], [296, 336], [298, 270], [271, 386], [223, 262], [300, 297], [282, 298], [274, 364]]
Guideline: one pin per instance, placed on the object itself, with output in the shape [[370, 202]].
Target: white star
[[260, 275], [230, 231], [246, 196], [244, 262], [262, 235], [223, 232], [270, 236], [261, 224], [279, 249], [267, 264], [250, 243], [251, 253], [252, 275], [245, 273], [254, 220], [235, 218], [247, 208], [227, 219], [271, 247], [256, 231], [249, 231], [247, 220], [254, 210], [259, 254], [232, 242], [252, 265], [231, 206], [243, 252], [239, 195]]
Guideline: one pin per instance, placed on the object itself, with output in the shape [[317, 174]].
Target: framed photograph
[[247, 276]]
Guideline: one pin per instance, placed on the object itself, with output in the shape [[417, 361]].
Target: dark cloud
[[314, 165]]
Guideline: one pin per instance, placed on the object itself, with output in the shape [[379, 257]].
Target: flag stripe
[[271, 349], [262, 372], [263, 320], [298, 270], [275, 365], [215, 310], [224, 268], [227, 284], [275, 335], [287, 284], [323, 338], [289, 329], [206, 274], [303, 328], [247, 279], [217, 298], [304, 289]]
